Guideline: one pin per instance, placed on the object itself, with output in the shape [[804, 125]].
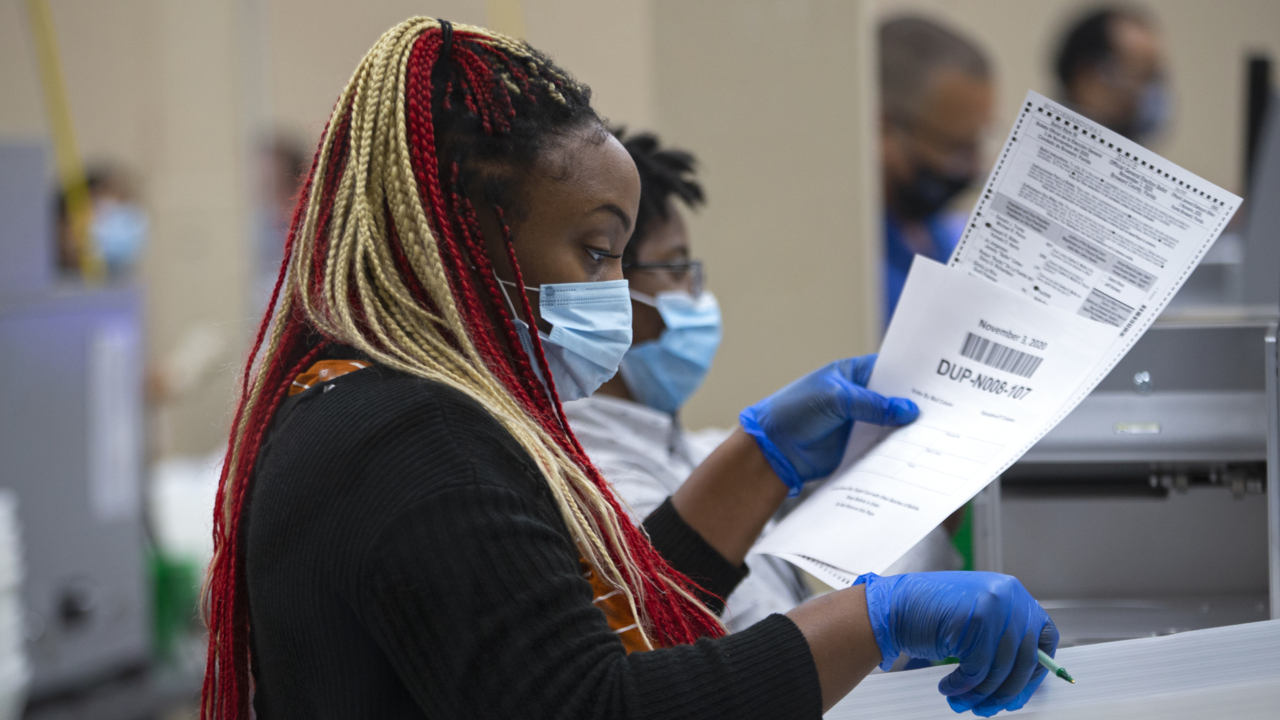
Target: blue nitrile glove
[[803, 428], [987, 620]]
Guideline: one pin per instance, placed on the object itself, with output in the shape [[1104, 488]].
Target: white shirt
[[645, 455]]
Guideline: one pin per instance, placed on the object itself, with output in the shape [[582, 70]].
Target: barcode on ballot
[[1000, 357]]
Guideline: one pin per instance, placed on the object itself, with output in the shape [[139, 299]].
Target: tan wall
[[21, 115], [608, 44], [197, 270], [314, 45], [772, 97], [157, 85], [179, 91], [1206, 42]]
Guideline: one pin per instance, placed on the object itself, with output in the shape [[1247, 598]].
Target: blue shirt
[[944, 228]]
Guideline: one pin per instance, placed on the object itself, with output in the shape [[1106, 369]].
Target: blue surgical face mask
[[663, 373], [120, 233], [590, 332]]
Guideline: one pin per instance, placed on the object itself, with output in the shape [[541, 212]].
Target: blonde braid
[[578, 498], [377, 183]]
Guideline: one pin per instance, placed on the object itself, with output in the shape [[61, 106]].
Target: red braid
[[485, 76], [673, 620], [226, 682]]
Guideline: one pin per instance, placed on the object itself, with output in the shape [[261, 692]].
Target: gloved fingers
[[1023, 668], [1037, 677], [963, 679], [1000, 664], [857, 370], [863, 405], [902, 411], [988, 648], [1049, 644], [1049, 636]]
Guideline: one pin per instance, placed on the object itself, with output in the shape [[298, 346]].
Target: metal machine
[[71, 446], [1146, 510], [1155, 506]]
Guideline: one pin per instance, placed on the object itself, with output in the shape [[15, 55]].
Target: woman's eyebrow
[[622, 214]]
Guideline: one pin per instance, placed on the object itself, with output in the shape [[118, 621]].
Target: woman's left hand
[[986, 620], [803, 428]]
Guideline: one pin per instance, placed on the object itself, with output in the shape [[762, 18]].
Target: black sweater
[[405, 560]]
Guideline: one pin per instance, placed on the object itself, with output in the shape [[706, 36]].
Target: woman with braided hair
[[406, 526]]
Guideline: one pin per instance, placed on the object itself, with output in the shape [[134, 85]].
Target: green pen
[[1054, 667]]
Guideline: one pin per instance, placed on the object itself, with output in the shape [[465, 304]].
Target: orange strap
[[323, 371], [613, 603]]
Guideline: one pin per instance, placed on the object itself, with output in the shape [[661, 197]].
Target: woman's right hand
[[987, 620], [795, 435], [803, 428]]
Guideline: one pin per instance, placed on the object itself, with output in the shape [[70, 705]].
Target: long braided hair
[[385, 254]]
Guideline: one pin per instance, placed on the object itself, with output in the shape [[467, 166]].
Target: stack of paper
[[1079, 240]]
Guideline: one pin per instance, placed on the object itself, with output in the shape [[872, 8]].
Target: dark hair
[[290, 156], [495, 146], [1088, 42], [664, 172], [912, 49], [97, 177]]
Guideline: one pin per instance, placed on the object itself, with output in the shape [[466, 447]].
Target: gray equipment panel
[[72, 363], [71, 445], [1146, 511], [1261, 271], [1184, 393], [26, 219]]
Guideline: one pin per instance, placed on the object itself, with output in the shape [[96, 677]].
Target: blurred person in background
[[936, 98], [119, 228], [630, 427], [282, 165], [1111, 69]]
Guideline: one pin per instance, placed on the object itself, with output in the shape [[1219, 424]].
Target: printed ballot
[[1078, 241], [990, 370], [1078, 217]]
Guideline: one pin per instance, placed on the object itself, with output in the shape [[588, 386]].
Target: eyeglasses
[[688, 273]]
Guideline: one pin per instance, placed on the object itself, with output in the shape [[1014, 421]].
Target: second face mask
[[663, 373]]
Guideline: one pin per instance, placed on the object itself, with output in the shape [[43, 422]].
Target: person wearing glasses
[[630, 427], [936, 102]]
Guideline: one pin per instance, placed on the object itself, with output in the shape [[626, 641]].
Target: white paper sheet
[[1227, 672], [1078, 217], [1080, 239], [989, 374]]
